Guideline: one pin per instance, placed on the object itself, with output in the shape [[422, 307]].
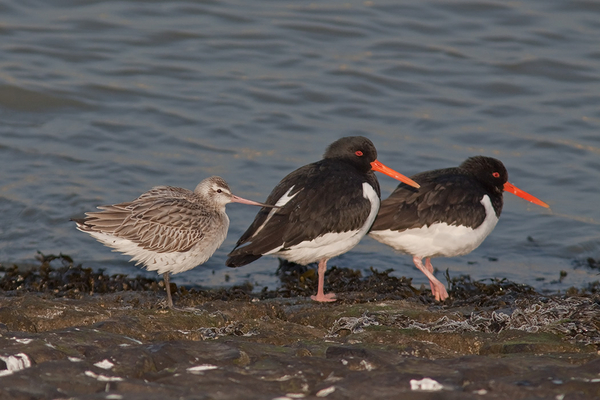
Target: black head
[[357, 150], [489, 171]]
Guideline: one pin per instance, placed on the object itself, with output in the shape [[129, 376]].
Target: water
[[101, 100]]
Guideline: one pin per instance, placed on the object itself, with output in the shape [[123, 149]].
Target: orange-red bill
[[509, 187], [379, 167]]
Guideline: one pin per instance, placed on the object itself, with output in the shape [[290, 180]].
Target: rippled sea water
[[101, 100]]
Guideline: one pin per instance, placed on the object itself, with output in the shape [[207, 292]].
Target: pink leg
[[320, 295], [428, 265], [438, 290]]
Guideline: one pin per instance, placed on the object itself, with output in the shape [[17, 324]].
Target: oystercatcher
[[450, 215], [325, 208], [168, 229]]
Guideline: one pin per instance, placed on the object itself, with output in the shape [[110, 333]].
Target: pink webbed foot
[[329, 297], [321, 296], [438, 290]]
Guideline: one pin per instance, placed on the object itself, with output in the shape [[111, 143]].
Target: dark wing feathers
[[281, 189], [444, 196], [322, 203], [164, 219]]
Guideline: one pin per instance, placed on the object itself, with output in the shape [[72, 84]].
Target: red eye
[[359, 153], [496, 175]]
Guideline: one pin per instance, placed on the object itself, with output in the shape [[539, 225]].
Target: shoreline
[[381, 339]]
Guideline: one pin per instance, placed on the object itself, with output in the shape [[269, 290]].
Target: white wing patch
[[283, 200], [334, 243], [440, 239]]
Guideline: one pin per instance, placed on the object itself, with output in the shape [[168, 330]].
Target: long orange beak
[[379, 167], [509, 187]]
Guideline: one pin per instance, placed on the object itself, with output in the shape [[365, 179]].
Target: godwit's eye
[[219, 191], [359, 153], [496, 175]]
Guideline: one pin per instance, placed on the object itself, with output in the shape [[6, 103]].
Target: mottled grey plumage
[[168, 229]]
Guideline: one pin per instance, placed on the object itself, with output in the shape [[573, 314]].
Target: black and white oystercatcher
[[168, 229], [325, 208], [450, 215]]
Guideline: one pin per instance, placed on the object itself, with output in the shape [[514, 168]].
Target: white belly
[[332, 244], [440, 239], [173, 262]]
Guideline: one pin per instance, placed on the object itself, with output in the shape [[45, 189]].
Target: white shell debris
[[104, 364], [367, 365], [325, 392], [295, 395], [15, 363], [103, 378], [75, 359], [425, 384], [201, 368]]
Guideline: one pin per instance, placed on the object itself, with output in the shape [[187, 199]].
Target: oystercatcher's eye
[[359, 153], [496, 175]]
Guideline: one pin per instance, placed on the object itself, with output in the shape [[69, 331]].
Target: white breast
[[440, 239]]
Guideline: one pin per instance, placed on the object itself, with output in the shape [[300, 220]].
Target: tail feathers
[[239, 260], [81, 224]]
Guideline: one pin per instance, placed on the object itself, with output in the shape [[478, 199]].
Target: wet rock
[[522, 342], [300, 280], [356, 358], [382, 339], [13, 320]]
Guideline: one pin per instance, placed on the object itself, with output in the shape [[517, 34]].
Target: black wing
[[326, 197], [444, 196]]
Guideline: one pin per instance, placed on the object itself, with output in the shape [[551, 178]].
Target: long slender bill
[[237, 199], [379, 167], [509, 187]]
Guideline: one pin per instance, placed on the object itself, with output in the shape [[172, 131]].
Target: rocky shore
[[67, 332]]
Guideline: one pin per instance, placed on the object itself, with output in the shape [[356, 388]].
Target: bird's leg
[[428, 265], [438, 290], [168, 287], [320, 295], [427, 272]]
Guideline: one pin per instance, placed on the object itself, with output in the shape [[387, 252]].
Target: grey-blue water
[[101, 100]]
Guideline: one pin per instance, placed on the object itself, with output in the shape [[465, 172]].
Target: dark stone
[[485, 341], [15, 321]]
